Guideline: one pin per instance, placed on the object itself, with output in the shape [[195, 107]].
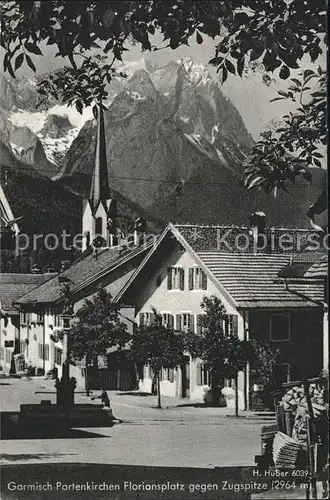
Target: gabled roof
[[83, 273], [13, 286], [246, 280]]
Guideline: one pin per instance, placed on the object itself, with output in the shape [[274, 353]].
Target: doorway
[[185, 377]]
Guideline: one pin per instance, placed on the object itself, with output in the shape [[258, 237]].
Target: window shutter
[[171, 375], [191, 326], [199, 374], [235, 325], [204, 280], [199, 324], [191, 278], [178, 322], [152, 319], [169, 278], [141, 316], [181, 279], [170, 321]]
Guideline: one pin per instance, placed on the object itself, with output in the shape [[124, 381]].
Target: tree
[[284, 154], [96, 329], [224, 354], [157, 346], [275, 35], [262, 361]]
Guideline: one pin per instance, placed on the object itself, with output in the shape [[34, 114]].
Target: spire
[[100, 185]]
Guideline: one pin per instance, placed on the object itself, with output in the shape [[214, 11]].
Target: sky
[[250, 95]]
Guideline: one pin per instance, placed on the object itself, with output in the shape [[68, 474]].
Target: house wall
[[41, 333], [304, 351], [8, 333], [155, 294]]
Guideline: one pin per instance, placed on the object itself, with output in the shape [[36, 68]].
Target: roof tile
[[13, 286], [252, 280]]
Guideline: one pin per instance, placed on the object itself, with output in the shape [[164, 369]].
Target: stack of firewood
[[295, 398], [285, 451]]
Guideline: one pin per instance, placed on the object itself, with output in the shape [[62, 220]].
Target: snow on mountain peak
[[196, 72], [130, 67]]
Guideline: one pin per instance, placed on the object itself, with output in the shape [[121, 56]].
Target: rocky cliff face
[[172, 123], [164, 124], [160, 126], [37, 136]]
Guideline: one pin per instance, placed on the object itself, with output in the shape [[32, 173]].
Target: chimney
[[257, 230], [65, 264], [36, 269], [139, 231]]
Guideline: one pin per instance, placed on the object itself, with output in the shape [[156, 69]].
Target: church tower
[[100, 210]]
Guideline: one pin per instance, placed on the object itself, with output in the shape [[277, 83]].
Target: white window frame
[[289, 327], [197, 282], [206, 372], [57, 319], [228, 325], [166, 313], [57, 355], [176, 278], [165, 373], [187, 314], [148, 315]]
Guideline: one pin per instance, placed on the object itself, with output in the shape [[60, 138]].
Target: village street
[[183, 436]]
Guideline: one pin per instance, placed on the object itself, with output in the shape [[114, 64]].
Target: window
[[57, 319], [41, 351], [168, 374], [280, 327], [203, 374], [98, 226], [185, 322], [175, 278], [146, 318], [230, 325], [87, 237], [40, 317], [197, 279], [58, 356], [22, 345], [8, 356], [2, 353], [168, 320], [23, 318]]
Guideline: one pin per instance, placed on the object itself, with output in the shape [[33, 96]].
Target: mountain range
[[164, 125]]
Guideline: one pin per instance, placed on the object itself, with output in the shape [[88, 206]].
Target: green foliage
[[275, 32], [283, 155], [262, 361], [224, 355], [97, 328], [157, 346]]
